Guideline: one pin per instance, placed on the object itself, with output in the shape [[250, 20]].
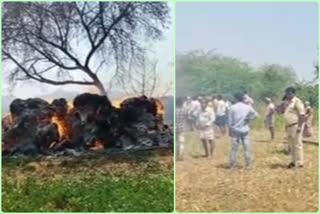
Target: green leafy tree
[[274, 79], [307, 92], [208, 73]]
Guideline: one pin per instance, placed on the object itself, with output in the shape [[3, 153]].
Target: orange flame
[[160, 107], [61, 123], [98, 145], [70, 106], [7, 122], [8, 118], [62, 126]]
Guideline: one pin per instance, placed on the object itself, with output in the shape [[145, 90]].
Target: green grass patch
[[96, 186]]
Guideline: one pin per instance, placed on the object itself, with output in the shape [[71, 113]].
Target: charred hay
[[35, 126]]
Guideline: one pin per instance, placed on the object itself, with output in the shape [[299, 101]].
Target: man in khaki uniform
[[294, 114]]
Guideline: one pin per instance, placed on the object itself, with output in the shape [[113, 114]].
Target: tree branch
[[106, 34], [40, 78]]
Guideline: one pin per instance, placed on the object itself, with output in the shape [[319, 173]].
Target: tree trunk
[[96, 81], [100, 87]]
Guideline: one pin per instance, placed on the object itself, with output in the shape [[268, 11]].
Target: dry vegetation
[[206, 185]]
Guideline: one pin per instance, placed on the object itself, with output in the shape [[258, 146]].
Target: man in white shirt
[[221, 115], [270, 116], [187, 107], [195, 109], [179, 125], [228, 104], [205, 127], [186, 103], [215, 103]]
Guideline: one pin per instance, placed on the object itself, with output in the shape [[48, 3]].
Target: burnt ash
[[136, 125]]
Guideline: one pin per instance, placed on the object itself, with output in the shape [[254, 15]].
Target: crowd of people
[[208, 115]]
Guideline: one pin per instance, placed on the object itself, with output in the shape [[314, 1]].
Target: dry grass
[[206, 185], [71, 167]]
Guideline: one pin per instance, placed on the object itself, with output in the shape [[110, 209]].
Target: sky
[[256, 32], [162, 50]]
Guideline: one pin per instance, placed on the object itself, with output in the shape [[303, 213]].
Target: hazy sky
[[260, 32], [163, 51]]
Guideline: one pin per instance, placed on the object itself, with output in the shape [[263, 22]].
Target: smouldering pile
[[35, 126]]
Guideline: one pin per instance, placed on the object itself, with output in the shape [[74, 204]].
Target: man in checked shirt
[[180, 121]]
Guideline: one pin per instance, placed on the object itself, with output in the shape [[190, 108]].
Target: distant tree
[[200, 73], [275, 78], [211, 74], [307, 92], [50, 42]]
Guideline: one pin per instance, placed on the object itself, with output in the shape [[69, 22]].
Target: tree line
[[209, 73]]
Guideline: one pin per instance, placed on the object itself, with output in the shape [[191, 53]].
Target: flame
[[117, 103], [69, 106], [98, 145], [7, 121], [160, 107], [61, 122], [8, 115], [8, 118], [62, 126]]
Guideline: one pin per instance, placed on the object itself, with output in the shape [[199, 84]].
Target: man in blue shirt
[[239, 117]]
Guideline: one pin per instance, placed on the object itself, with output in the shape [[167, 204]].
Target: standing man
[[308, 129], [205, 127], [187, 107], [180, 121], [239, 117], [270, 116], [221, 114], [195, 110], [215, 103], [294, 114]]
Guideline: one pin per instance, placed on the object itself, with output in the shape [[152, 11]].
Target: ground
[[139, 182], [207, 185]]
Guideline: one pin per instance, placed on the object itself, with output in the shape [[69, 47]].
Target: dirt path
[[206, 185]]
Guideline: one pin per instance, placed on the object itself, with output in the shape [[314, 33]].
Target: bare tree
[[166, 89], [51, 42], [144, 78]]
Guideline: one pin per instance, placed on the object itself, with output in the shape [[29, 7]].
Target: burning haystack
[[35, 126]]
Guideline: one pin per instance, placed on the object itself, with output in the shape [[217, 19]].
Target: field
[[125, 183], [207, 185]]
